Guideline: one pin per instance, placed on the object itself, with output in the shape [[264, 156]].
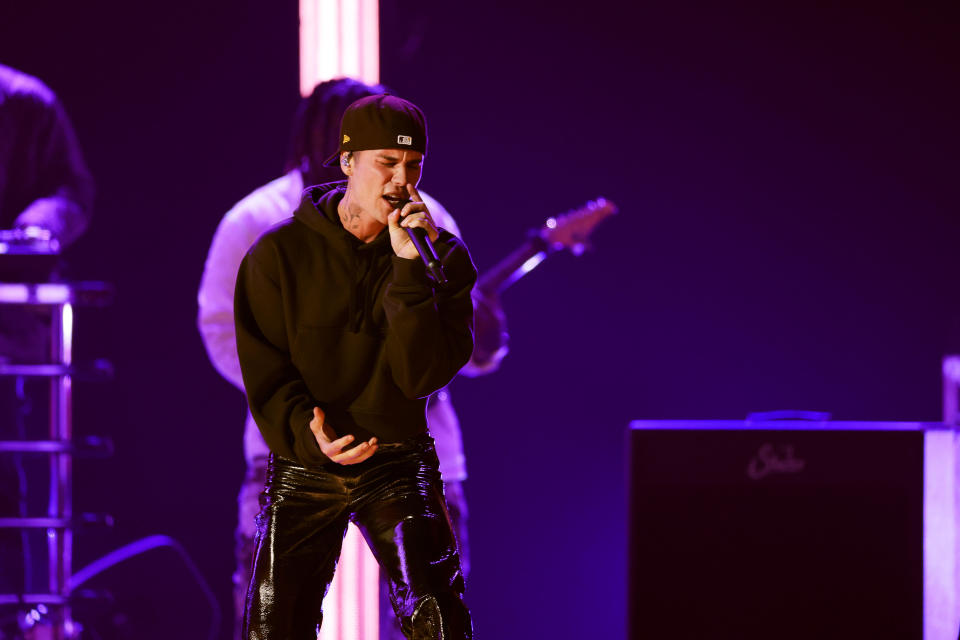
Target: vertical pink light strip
[[342, 38], [361, 599], [939, 536], [339, 38], [371, 589], [351, 45], [352, 588], [941, 515], [351, 608], [309, 44], [370, 39]]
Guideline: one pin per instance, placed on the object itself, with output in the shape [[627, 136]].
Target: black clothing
[[326, 320], [396, 500], [43, 178]]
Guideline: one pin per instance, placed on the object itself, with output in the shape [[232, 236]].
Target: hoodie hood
[[318, 210], [318, 207]]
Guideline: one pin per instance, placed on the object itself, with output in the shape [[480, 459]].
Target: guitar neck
[[520, 262], [568, 231]]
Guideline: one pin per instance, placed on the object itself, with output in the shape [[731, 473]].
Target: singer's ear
[[345, 163]]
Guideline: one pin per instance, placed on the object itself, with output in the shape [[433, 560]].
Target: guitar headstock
[[572, 230]]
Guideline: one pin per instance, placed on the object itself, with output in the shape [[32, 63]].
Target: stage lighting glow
[[532, 263], [339, 38], [351, 606]]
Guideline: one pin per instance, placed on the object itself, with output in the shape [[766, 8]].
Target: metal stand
[[60, 447]]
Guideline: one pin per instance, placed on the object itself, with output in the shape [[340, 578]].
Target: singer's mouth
[[397, 202]]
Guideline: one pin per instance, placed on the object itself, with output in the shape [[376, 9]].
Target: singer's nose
[[400, 175]]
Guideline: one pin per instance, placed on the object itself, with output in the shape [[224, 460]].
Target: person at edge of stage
[[46, 198], [342, 336], [46, 194], [313, 139], [45, 187]]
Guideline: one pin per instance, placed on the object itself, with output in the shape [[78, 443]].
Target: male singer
[[342, 335]]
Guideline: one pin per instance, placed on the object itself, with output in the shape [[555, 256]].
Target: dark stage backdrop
[[786, 176]]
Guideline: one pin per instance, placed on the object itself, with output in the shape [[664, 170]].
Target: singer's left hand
[[413, 214]]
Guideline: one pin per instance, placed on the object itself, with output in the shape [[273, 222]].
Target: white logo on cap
[[407, 140]]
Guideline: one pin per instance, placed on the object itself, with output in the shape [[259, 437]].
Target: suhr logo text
[[771, 458]]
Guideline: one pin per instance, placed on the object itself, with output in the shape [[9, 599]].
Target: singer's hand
[[332, 446], [413, 214]]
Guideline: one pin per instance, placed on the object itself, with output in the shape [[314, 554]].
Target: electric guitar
[[568, 231]]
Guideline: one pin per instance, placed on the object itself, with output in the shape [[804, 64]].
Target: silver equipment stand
[[60, 298]]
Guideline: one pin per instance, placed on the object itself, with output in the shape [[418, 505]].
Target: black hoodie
[[324, 319]]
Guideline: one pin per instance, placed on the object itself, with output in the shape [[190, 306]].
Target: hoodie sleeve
[[278, 398], [430, 331]]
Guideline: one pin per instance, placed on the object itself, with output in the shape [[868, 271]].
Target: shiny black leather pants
[[396, 500]]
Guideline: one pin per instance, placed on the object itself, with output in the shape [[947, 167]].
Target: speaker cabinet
[[755, 531]]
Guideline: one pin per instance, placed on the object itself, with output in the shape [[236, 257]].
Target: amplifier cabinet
[[779, 530]]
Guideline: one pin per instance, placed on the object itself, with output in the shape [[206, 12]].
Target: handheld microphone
[[418, 236]]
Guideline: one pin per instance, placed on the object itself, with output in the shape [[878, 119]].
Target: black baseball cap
[[381, 122]]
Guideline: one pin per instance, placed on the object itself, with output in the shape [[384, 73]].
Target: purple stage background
[[787, 181]]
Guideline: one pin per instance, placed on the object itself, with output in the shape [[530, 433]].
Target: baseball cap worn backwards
[[381, 122]]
